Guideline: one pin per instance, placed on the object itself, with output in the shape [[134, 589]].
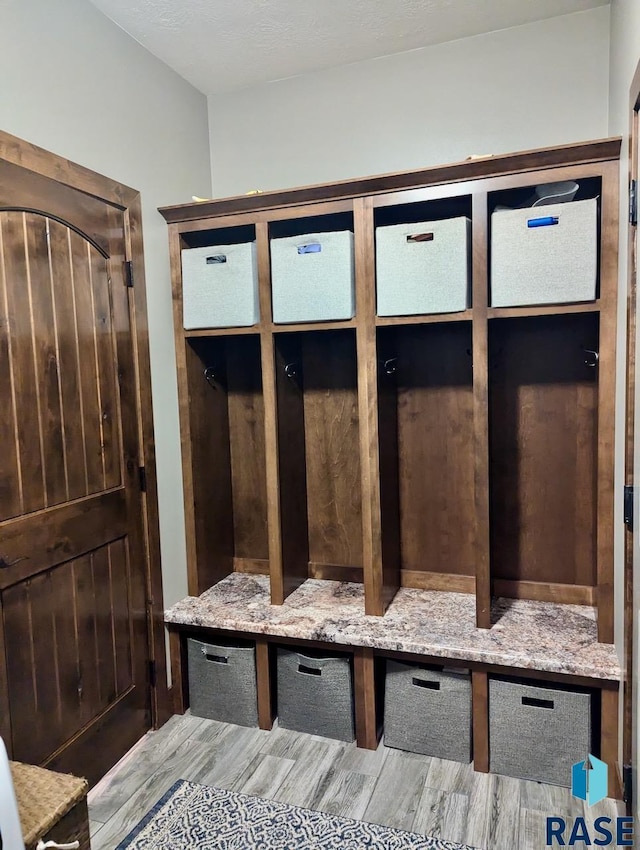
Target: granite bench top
[[542, 636]]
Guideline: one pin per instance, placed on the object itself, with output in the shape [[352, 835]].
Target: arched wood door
[[72, 561]]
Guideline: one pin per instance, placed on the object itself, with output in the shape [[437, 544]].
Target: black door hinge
[[627, 783], [152, 673], [633, 202], [628, 505], [128, 273], [142, 472]]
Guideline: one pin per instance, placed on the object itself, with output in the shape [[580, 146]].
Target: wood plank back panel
[[291, 454], [247, 447], [334, 504], [58, 402], [210, 454], [435, 431], [543, 410], [79, 662]]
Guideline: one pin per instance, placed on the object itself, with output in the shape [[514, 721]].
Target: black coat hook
[[592, 357], [210, 377], [390, 365]]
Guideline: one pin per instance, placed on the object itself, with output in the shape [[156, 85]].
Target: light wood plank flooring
[[404, 790]]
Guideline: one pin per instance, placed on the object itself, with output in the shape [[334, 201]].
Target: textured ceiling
[[221, 45]]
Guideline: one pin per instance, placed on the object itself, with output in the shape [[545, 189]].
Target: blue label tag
[[313, 248], [545, 221]]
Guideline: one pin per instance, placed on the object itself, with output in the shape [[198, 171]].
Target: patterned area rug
[[195, 817]]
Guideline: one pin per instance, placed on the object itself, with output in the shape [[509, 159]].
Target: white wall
[[76, 84], [531, 86]]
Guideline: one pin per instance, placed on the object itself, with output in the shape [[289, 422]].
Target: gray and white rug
[[195, 817]]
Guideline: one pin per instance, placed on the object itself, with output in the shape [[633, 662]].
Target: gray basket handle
[[532, 702], [216, 259], [309, 671], [426, 683], [421, 237], [215, 659], [311, 248]]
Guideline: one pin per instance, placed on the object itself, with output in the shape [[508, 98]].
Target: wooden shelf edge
[[580, 153], [426, 319], [543, 310], [211, 332]]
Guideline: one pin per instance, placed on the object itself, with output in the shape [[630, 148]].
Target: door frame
[[630, 709], [60, 170]]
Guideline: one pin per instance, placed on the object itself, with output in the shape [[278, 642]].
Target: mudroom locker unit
[[400, 445]]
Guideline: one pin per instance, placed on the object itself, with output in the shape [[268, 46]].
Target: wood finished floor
[[427, 795]]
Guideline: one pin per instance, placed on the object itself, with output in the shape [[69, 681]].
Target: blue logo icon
[[589, 780]]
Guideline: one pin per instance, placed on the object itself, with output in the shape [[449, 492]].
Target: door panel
[[72, 557]]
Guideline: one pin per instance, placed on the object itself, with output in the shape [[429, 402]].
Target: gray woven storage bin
[[428, 711], [537, 732], [315, 695], [220, 286], [423, 268], [222, 682], [551, 264], [312, 277]]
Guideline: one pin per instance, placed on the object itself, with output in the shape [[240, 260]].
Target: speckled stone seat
[[52, 806]]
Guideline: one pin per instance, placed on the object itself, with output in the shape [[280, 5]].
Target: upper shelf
[[581, 153]]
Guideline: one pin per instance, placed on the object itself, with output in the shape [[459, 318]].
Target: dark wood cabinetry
[[468, 451]]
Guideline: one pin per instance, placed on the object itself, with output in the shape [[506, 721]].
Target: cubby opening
[[282, 228], [549, 193], [438, 209], [545, 251], [422, 259], [228, 456], [219, 236], [318, 435], [426, 458], [543, 416]]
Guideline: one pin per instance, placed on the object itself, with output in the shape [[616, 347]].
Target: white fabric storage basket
[[312, 277], [223, 682], [423, 268], [536, 732], [428, 711], [315, 694], [544, 255], [220, 286]]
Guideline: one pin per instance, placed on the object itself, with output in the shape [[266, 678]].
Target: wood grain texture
[[607, 400], [79, 519], [435, 430], [452, 803], [480, 359], [583, 152], [480, 717], [568, 594], [380, 556], [210, 451], [266, 697], [610, 739], [543, 410], [334, 503], [247, 449], [292, 475], [134, 248], [428, 580], [365, 698]]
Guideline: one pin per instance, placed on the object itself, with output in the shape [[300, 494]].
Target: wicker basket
[[52, 806]]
